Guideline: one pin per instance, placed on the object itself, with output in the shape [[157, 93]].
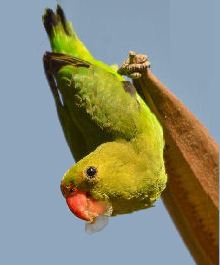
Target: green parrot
[[115, 139]]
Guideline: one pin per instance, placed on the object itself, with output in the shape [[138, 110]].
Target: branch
[[191, 158]]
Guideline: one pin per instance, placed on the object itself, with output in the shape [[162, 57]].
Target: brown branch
[[191, 158]]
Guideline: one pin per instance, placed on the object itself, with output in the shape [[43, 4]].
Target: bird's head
[[112, 180]]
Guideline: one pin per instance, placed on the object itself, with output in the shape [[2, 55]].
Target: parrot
[[116, 141]]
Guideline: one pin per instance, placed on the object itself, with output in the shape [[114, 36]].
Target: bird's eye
[[91, 172]]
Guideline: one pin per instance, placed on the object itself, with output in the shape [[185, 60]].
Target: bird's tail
[[62, 36]]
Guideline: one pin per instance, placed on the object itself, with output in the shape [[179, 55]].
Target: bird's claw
[[135, 65]]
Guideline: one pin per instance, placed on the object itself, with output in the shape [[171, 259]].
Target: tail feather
[[52, 20], [61, 15], [63, 38]]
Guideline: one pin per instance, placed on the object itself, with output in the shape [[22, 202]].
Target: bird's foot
[[135, 65]]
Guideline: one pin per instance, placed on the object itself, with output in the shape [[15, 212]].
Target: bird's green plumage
[[63, 39], [105, 126]]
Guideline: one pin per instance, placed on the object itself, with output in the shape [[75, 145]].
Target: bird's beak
[[82, 204]]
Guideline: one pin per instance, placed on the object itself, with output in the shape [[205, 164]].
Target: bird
[[115, 139]]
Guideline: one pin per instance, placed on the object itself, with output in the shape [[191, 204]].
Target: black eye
[[91, 172]]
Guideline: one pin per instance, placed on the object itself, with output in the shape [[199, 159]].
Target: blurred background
[[35, 225]]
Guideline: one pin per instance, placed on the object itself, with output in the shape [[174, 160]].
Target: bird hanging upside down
[[115, 139]]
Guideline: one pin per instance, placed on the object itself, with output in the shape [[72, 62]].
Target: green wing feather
[[94, 102]]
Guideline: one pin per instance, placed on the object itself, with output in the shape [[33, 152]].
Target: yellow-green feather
[[70, 44], [121, 136], [131, 172]]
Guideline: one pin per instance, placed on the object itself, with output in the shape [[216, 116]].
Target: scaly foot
[[135, 65]]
